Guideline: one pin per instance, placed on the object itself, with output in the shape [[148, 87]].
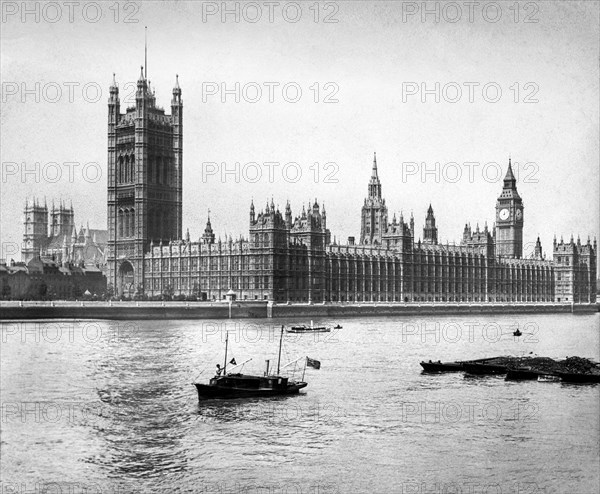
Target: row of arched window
[[158, 169], [126, 169], [126, 223]]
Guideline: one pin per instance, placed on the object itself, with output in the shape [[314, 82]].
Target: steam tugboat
[[226, 386]]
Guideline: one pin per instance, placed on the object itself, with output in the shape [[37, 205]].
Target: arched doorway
[[126, 287]]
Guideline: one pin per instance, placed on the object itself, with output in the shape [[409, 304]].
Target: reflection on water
[[119, 409]]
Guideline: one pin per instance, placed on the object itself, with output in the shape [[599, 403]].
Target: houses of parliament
[[292, 258]]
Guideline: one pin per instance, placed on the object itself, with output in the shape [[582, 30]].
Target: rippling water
[[110, 406]]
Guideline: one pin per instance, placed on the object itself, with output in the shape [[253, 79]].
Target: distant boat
[[337, 327], [455, 366], [442, 366], [517, 332], [246, 386], [309, 329]]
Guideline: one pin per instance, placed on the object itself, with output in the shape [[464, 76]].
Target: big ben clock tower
[[509, 218]]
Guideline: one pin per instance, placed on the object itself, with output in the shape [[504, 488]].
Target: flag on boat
[[313, 363], [232, 361]]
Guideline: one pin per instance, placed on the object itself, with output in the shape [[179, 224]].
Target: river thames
[[100, 406]]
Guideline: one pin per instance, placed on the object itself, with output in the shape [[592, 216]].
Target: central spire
[[374, 183], [374, 172]]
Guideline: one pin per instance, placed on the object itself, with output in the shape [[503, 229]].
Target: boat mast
[[279, 357], [225, 361]]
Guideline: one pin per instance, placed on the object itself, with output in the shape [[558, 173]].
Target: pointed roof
[[509, 173], [374, 170], [509, 189], [374, 190]]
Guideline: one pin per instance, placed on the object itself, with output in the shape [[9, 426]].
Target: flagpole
[[145, 52], [279, 357], [225, 362], [245, 362], [290, 363]]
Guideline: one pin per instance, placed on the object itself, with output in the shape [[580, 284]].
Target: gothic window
[[132, 164], [120, 170], [126, 223], [132, 222], [120, 223], [165, 179], [127, 170]]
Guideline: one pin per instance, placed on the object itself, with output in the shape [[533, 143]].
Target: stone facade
[[145, 176], [293, 259]]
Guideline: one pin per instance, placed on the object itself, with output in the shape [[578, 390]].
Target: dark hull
[[309, 330], [206, 391], [522, 375], [482, 369], [442, 366], [579, 378]]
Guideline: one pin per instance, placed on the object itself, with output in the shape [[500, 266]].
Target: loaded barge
[[572, 369]]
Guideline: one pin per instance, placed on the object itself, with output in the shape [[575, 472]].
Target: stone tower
[[310, 231], [374, 216], [269, 236], [208, 237], [62, 220], [509, 218], [35, 234], [430, 231], [145, 158]]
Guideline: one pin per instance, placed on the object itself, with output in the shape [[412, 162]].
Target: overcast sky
[[546, 117]]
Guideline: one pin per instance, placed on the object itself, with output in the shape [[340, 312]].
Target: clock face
[[519, 214], [503, 214]]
